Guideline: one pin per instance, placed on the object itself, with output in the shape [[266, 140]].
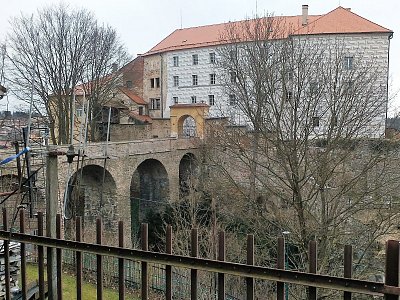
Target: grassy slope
[[69, 286]]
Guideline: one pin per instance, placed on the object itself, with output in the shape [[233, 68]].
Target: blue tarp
[[8, 159]]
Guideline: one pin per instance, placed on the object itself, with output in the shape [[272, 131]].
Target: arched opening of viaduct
[[149, 192], [90, 193], [188, 174]]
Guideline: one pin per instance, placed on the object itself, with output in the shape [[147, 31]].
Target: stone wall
[[159, 128]]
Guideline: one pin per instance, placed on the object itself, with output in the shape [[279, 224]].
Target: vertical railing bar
[[6, 256], [280, 286], [193, 272], [78, 233], [392, 267], [250, 261], [59, 258], [221, 257], [145, 247], [41, 258], [121, 270], [348, 267], [168, 268], [23, 253], [312, 254], [99, 259]]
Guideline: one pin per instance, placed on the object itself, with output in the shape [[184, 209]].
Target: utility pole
[[51, 211]]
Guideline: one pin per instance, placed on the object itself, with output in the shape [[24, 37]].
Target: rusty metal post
[[99, 259], [348, 267], [6, 256], [121, 270], [59, 258], [250, 261], [221, 257], [145, 247], [168, 268], [280, 286], [392, 266], [312, 254], [78, 237], [193, 272], [41, 258], [23, 253]]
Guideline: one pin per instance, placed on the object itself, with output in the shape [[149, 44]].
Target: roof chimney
[[304, 15], [114, 67]]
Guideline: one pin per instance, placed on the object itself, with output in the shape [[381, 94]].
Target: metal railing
[[219, 267]]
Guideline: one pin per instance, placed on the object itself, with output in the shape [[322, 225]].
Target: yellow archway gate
[[180, 112]]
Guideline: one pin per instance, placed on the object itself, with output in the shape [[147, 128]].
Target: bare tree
[[312, 111], [54, 51]]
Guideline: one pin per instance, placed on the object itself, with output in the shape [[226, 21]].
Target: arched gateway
[[182, 114]]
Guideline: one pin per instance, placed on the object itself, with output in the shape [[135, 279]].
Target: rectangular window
[[289, 96], [155, 104], [212, 58], [176, 61], [348, 63], [158, 82], [211, 100], [175, 100], [233, 77], [176, 80], [334, 120], [233, 54], [194, 80], [232, 100], [289, 75], [79, 112], [348, 87], [194, 99], [141, 110], [195, 58], [314, 87], [315, 121], [152, 83], [128, 83], [212, 78]]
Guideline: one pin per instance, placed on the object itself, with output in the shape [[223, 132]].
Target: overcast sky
[[141, 24]]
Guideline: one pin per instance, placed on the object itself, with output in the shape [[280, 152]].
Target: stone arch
[[187, 127], [180, 112], [91, 193], [188, 173], [149, 188]]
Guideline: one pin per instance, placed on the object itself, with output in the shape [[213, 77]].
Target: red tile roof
[[131, 95], [142, 118], [339, 20]]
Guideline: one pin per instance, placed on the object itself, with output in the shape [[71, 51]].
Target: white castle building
[[183, 67]]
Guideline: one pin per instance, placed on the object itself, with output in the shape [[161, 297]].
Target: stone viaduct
[[121, 180]]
